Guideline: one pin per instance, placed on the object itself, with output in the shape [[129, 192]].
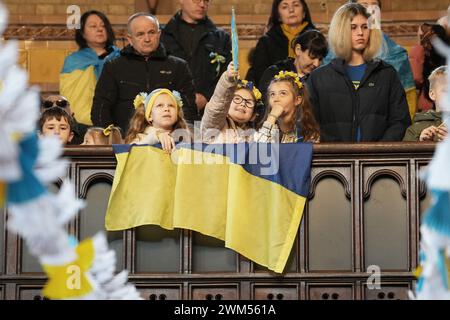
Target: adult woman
[[287, 20], [356, 97], [81, 69], [310, 48]]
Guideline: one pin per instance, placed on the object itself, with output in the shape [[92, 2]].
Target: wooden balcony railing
[[362, 215]]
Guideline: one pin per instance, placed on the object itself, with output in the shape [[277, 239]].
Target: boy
[[56, 121], [78, 129], [428, 125]]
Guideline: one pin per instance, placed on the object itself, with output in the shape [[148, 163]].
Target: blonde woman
[[357, 97]]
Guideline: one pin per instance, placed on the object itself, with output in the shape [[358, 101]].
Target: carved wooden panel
[[386, 217], [157, 250], [330, 222], [214, 291], [268, 291], [388, 291], [210, 255], [95, 189], [330, 291], [28, 262], [29, 292], [160, 292]]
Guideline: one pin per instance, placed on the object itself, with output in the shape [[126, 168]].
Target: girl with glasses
[[229, 115]]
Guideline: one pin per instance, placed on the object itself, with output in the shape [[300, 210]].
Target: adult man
[[143, 66], [192, 36]]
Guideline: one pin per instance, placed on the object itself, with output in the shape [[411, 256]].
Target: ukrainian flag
[[78, 78], [251, 196]]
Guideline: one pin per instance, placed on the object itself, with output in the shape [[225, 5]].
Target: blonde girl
[[102, 136], [157, 116]]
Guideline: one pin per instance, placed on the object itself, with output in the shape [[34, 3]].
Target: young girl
[[229, 114], [289, 111], [102, 136], [156, 117]]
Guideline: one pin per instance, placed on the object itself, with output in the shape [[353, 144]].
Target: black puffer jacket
[[270, 49], [213, 40], [125, 77], [378, 107]]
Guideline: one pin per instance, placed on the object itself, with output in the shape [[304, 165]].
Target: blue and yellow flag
[[234, 40], [251, 196], [78, 79]]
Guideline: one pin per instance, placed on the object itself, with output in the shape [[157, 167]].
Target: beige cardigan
[[216, 126]]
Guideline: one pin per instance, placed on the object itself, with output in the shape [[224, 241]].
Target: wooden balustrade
[[362, 216]]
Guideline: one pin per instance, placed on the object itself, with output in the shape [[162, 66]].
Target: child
[[289, 111], [156, 117], [78, 129], [428, 125], [231, 110], [56, 121], [101, 136]]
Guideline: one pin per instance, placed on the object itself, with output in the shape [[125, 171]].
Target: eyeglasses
[[249, 103], [60, 103], [198, 1]]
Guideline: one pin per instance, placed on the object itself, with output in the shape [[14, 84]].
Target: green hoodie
[[422, 121]]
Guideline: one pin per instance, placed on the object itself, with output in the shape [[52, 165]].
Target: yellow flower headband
[[148, 99], [290, 74], [244, 84]]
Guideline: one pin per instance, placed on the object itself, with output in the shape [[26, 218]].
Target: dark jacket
[[125, 77], [422, 121], [214, 40], [271, 48], [378, 108]]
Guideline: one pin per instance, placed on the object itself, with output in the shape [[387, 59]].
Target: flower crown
[[148, 99], [144, 97], [244, 84], [292, 75]]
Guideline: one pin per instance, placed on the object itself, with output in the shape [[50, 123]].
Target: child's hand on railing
[[167, 142]]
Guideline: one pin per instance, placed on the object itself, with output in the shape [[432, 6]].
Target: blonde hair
[[437, 76], [340, 33], [138, 123], [102, 137]]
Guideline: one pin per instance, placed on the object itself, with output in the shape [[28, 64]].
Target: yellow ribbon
[[107, 130], [217, 58]]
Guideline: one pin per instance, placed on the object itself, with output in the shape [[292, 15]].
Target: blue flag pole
[[234, 40]]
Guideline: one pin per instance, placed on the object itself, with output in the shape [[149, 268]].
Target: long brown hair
[[138, 123], [310, 129]]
